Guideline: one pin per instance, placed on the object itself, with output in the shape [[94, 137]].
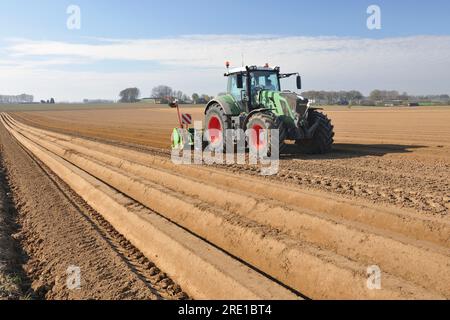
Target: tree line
[[375, 97], [164, 94], [334, 97]]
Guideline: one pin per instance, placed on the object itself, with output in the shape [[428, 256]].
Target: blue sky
[[153, 41], [150, 18]]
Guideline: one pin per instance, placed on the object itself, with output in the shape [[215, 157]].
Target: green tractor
[[254, 100]]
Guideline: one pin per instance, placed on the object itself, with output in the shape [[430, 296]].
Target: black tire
[[268, 122], [215, 111], [322, 141]]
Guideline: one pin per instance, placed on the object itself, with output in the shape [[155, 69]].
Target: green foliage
[[129, 95]]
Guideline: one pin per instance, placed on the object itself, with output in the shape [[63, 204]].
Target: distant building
[[152, 100], [367, 103], [97, 101], [148, 100], [390, 103], [22, 98]]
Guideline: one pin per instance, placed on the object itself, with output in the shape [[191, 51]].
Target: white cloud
[[416, 64]]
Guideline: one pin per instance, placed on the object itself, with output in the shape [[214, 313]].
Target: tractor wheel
[[267, 122], [322, 141], [216, 124]]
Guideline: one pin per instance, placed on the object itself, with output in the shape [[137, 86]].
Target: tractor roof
[[251, 68]]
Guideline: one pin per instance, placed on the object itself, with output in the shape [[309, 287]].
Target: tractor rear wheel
[[322, 140], [216, 123], [264, 122]]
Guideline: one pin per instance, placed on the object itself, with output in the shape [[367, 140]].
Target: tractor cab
[[246, 83]]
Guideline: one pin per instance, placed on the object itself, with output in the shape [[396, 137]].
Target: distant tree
[[311, 95], [43, 101], [333, 97], [392, 95], [382, 95], [185, 98], [354, 96], [177, 94], [52, 101], [195, 98], [204, 98], [403, 96], [162, 92], [129, 95], [376, 95]]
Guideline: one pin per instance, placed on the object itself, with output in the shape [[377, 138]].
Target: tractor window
[[233, 89], [264, 80]]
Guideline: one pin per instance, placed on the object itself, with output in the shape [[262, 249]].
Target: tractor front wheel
[[215, 125], [322, 140], [260, 128]]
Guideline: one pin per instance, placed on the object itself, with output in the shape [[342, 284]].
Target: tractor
[[254, 100]]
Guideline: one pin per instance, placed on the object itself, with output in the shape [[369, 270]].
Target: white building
[[23, 98]]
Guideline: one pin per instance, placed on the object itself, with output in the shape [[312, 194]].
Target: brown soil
[[13, 283], [299, 236], [398, 156], [59, 230]]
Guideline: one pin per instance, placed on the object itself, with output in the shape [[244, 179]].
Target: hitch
[[183, 136]]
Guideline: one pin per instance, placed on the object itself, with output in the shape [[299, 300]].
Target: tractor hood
[[296, 102], [286, 102]]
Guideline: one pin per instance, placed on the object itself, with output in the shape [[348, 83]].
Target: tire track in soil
[[156, 280], [115, 268], [14, 283], [429, 197]]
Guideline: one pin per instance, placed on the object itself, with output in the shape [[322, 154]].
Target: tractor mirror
[[299, 82], [239, 81], [173, 104]]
